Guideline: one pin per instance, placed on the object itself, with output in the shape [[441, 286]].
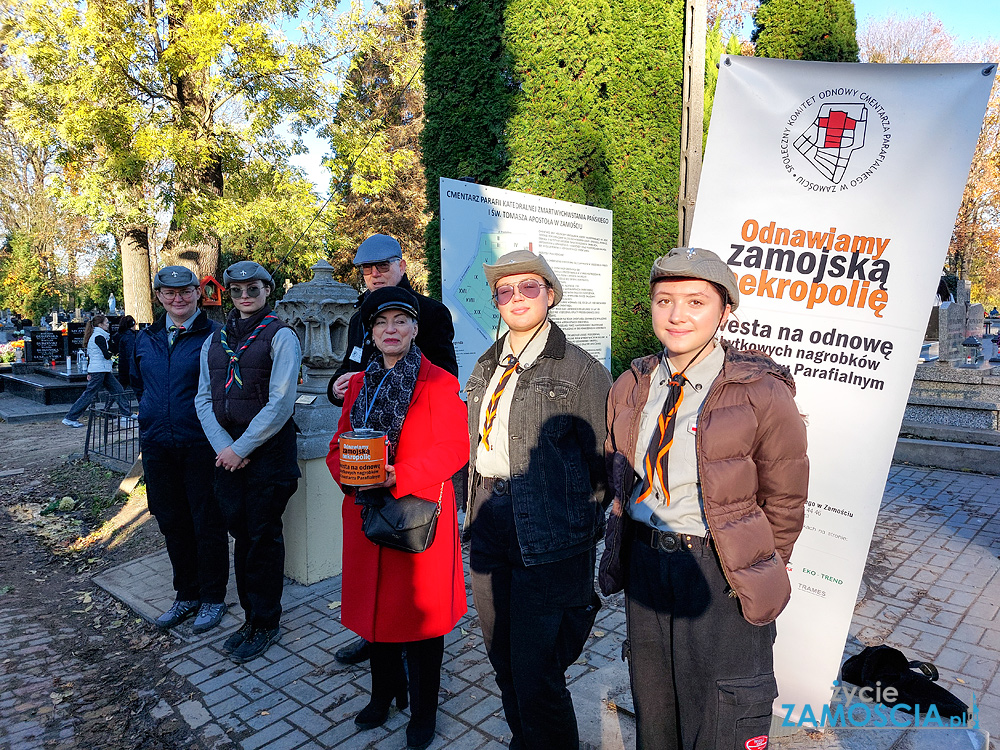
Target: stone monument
[[319, 311], [952, 417]]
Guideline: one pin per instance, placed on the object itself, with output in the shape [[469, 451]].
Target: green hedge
[[806, 30], [577, 100]]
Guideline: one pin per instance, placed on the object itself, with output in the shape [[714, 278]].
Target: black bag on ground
[[407, 523], [890, 666]]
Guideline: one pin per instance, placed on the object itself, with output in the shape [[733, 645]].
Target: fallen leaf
[[599, 633], [333, 605]]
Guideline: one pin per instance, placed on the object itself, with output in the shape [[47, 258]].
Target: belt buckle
[[668, 542]]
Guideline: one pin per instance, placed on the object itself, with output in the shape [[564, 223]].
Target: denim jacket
[[557, 427]]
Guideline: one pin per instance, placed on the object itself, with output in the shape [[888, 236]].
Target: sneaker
[[178, 613], [72, 423], [234, 641], [209, 615], [257, 642]]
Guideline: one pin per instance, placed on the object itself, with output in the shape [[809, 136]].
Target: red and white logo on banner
[[756, 743]]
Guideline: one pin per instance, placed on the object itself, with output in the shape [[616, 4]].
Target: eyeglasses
[[382, 266], [172, 294], [251, 291], [529, 288]]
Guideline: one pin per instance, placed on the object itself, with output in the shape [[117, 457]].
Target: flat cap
[[175, 276], [523, 261], [696, 263], [246, 270], [388, 298], [377, 248]]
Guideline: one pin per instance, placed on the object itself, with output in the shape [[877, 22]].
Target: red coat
[[391, 596]]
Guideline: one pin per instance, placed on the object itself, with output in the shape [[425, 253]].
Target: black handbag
[[407, 523]]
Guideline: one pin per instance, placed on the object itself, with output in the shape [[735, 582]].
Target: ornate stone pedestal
[[319, 311]]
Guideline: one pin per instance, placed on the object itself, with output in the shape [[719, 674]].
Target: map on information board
[[480, 223]]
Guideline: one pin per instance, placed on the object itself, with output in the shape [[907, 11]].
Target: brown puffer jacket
[[752, 466]]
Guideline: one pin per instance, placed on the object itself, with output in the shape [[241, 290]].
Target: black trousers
[[423, 663], [535, 622], [253, 500], [702, 676], [180, 497]]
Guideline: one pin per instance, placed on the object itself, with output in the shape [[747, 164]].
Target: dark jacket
[[556, 429], [123, 344], [435, 334], [752, 466], [168, 380]]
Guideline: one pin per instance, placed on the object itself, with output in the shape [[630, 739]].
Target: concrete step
[[982, 459], [16, 409], [922, 431]]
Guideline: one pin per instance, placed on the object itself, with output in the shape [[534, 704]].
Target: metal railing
[[110, 435]]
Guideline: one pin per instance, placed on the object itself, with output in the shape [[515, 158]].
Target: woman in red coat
[[399, 600]]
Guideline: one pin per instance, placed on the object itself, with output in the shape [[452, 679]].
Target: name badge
[[355, 354]]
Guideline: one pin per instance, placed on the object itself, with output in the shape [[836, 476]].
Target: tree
[[974, 251], [156, 105], [806, 30], [377, 175], [909, 39]]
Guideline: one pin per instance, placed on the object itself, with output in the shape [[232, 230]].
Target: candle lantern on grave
[[973, 351]]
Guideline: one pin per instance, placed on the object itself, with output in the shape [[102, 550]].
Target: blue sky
[[970, 20]]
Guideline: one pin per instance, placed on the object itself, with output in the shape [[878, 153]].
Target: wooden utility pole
[[692, 115]]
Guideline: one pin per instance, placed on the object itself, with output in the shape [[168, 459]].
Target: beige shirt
[[685, 513], [495, 462]]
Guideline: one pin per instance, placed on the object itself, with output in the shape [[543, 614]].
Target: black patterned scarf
[[385, 397]]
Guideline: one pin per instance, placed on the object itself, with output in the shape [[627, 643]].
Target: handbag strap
[[440, 495]]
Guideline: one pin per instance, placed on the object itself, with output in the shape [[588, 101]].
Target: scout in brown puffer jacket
[[751, 463], [706, 452]]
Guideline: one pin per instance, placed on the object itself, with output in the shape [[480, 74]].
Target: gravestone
[[74, 333], [45, 346]]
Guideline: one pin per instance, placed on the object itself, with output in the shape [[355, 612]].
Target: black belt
[[496, 485], [667, 541]]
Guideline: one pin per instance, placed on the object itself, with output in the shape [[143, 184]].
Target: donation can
[[363, 457]]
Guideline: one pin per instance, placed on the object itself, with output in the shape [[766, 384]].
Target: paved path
[[932, 588]]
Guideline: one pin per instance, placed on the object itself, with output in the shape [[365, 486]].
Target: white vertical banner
[[831, 191], [480, 223]]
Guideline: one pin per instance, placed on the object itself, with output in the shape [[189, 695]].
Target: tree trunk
[[201, 256], [134, 245]]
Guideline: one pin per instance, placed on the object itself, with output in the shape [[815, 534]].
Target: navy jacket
[[557, 427], [168, 380]]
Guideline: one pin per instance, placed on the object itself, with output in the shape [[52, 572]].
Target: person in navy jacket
[[178, 460]]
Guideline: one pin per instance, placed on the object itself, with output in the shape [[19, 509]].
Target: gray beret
[[696, 263], [175, 276], [246, 270], [377, 248]]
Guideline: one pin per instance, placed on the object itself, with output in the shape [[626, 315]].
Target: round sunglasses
[[529, 288]]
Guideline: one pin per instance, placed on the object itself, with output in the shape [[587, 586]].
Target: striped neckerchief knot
[[233, 372], [655, 463], [510, 365], [174, 332]]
